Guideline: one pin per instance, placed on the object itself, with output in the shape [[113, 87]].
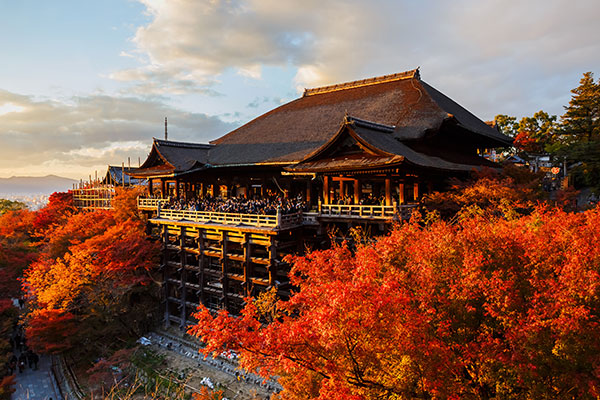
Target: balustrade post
[[278, 215]]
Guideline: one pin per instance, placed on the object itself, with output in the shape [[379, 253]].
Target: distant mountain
[[34, 185]]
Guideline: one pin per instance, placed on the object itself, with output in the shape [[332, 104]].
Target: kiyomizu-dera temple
[[361, 152]]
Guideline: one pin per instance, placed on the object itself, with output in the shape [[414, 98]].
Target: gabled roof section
[[466, 119], [169, 158], [381, 148], [294, 130], [115, 175]]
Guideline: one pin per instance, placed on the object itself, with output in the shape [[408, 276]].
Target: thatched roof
[[416, 117], [290, 132]]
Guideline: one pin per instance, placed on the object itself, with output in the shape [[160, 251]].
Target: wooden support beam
[[401, 199], [163, 189], [416, 191], [308, 191], [357, 191], [201, 263], [342, 190], [326, 189], [166, 273], [182, 262], [177, 189], [388, 192], [149, 186], [224, 270], [247, 264], [272, 263]]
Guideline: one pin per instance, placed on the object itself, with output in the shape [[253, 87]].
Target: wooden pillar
[[201, 264], [177, 189], [247, 265], [182, 262], [163, 189], [224, 270], [401, 194], [416, 191], [342, 190], [149, 186], [308, 191], [326, 189], [272, 262], [287, 188], [166, 273], [357, 191], [388, 192]]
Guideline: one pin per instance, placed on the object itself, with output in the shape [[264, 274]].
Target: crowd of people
[[368, 200], [239, 205], [22, 356]]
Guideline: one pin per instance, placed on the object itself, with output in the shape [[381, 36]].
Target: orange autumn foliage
[[93, 270], [17, 250], [513, 189], [59, 208], [477, 309]]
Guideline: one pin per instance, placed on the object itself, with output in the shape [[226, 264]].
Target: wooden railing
[[278, 220], [366, 211], [219, 218], [93, 198], [150, 203]]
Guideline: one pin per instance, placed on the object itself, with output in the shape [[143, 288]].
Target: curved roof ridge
[[413, 73], [183, 144]]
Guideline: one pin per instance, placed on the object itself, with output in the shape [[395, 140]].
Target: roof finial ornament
[[166, 135], [347, 119]]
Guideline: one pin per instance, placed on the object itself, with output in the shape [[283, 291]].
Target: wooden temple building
[[98, 192], [361, 152]]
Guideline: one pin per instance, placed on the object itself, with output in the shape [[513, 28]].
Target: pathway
[[37, 384]]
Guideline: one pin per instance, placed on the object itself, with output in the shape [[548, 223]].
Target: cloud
[[90, 131], [264, 100], [484, 54]]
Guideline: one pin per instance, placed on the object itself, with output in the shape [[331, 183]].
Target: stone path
[[37, 384]]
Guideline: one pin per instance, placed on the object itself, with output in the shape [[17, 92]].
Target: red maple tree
[[482, 308]]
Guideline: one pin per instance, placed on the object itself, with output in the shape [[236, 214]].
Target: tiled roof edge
[[369, 124], [363, 82]]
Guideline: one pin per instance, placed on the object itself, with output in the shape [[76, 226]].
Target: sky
[[84, 84]]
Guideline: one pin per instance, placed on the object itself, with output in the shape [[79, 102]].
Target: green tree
[[9, 205], [507, 124], [580, 133], [581, 121], [537, 133]]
